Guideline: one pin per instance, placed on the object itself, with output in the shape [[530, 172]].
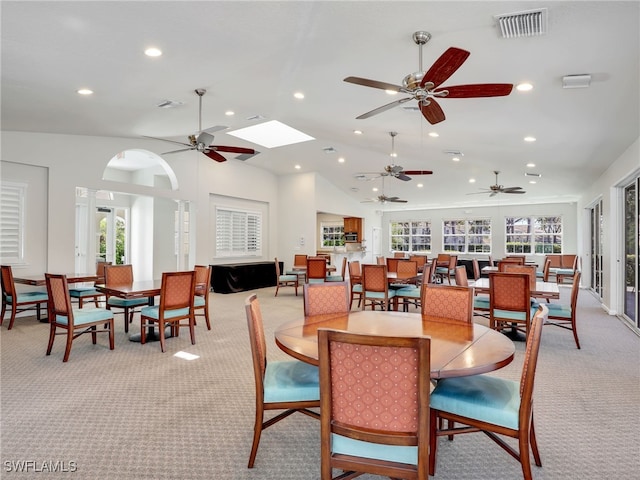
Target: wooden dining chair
[[375, 288], [392, 264], [299, 260], [530, 270], [316, 270], [292, 386], [510, 302], [117, 275], [342, 275], [420, 260], [570, 266], [74, 322], [407, 293], [492, 405], [480, 302], [564, 315], [177, 294], [355, 282], [449, 270], [388, 434], [380, 260], [19, 301], [324, 298], [450, 302], [201, 299], [287, 280], [85, 293]]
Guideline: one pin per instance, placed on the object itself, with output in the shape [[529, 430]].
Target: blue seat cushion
[[564, 271], [481, 303], [83, 292], [316, 280], [29, 297], [288, 381], [409, 292], [334, 278], [82, 316], [509, 315], [198, 301], [287, 278], [127, 302], [153, 311], [380, 295], [358, 448], [558, 310], [490, 399], [357, 288]]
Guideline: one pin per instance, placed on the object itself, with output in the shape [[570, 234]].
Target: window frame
[[464, 229], [410, 228], [13, 197], [242, 239], [335, 237], [536, 225]]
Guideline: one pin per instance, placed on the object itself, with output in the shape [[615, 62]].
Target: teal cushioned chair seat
[[154, 311], [288, 381], [357, 288], [358, 448], [380, 295], [82, 316], [410, 292], [557, 310], [564, 271], [513, 315], [198, 301], [83, 292], [29, 297], [334, 278], [127, 302], [483, 397], [316, 280], [287, 278], [481, 303]]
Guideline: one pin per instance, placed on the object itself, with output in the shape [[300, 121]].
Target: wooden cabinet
[[353, 225]]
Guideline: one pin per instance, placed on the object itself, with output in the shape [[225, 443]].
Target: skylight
[[271, 134]]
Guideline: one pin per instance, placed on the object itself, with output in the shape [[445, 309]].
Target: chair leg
[[67, 348], [257, 431], [143, 329], [13, 316], [112, 343], [192, 330], [575, 332], [52, 336], [4, 309], [206, 317], [161, 327], [433, 442], [94, 336], [534, 444]]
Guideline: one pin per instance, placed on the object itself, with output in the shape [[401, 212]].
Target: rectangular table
[[39, 280], [543, 289]]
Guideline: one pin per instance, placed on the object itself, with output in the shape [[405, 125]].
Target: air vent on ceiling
[[522, 24], [329, 150], [169, 104]]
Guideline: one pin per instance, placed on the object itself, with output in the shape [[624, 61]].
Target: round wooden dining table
[[457, 349]]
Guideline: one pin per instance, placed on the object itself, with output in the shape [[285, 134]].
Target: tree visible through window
[[332, 234], [540, 235], [467, 236], [414, 236]]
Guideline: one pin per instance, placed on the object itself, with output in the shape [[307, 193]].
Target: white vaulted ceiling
[[252, 56]]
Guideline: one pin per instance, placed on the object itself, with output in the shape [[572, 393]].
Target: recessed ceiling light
[[153, 52], [375, 189], [85, 91], [419, 185], [434, 134], [271, 134], [299, 95], [524, 87], [341, 160], [297, 167], [229, 113], [529, 139], [532, 181], [455, 159], [357, 132], [531, 165], [472, 180]]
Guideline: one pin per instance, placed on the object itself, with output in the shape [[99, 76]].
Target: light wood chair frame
[[519, 300], [286, 282], [203, 285], [115, 275], [353, 466], [10, 298], [568, 323]]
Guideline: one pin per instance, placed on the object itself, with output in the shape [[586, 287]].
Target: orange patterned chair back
[[419, 259], [407, 269], [299, 260], [316, 268], [256, 337], [442, 260], [355, 272], [381, 260], [324, 298], [448, 301], [118, 275], [398, 407], [510, 291], [8, 287], [60, 301], [203, 279], [528, 269], [476, 269], [374, 278], [177, 290], [392, 264]]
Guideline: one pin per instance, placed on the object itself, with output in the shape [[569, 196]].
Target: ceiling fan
[[202, 142], [497, 188], [393, 170], [383, 198], [425, 86]]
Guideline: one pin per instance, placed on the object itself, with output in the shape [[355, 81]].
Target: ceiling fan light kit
[[425, 86]]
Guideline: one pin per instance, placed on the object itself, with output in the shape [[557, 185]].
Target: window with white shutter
[[12, 199], [238, 233]]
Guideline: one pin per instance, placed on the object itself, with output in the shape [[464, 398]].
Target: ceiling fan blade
[[373, 83], [510, 189], [205, 138], [432, 112], [479, 193], [418, 172], [383, 108], [213, 155], [224, 148], [493, 194], [513, 191], [479, 90], [166, 140], [403, 177], [176, 151], [445, 66], [395, 200]]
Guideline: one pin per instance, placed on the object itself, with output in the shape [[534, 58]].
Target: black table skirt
[[239, 277]]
